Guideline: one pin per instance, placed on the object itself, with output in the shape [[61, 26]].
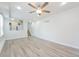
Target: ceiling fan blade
[[44, 5], [46, 11], [32, 5], [32, 12]]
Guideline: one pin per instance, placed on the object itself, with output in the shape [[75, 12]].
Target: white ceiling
[[54, 7]]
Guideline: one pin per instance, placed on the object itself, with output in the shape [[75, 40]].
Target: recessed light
[[18, 7], [63, 3]]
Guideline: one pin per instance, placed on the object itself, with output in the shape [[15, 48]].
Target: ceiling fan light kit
[[40, 9]]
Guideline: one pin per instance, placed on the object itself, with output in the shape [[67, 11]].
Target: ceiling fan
[[40, 9]]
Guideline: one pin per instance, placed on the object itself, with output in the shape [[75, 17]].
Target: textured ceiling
[[54, 7]]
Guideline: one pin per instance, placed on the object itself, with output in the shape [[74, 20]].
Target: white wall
[[14, 34], [2, 41], [63, 28], [1, 25]]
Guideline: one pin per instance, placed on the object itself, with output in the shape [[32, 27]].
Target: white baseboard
[[68, 45], [64, 44]]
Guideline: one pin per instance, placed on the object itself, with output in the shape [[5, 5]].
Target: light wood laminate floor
[[36, 48]]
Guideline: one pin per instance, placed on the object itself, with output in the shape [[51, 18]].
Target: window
[[1, 25]]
